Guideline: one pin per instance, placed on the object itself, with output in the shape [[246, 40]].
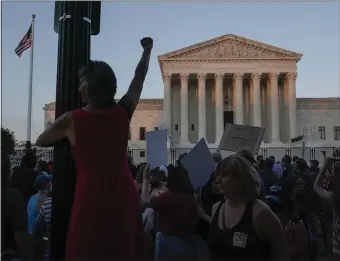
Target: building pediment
[[230, 47]]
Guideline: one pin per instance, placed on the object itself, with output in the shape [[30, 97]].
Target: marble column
[[238, 98], [184, 108], [291, 77], [167, 100], [274, 104], [219, 108], [256, 78], [201, 106]]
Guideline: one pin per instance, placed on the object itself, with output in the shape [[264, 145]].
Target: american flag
[[25, 43]]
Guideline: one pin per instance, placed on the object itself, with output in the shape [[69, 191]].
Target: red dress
[[106, 222]]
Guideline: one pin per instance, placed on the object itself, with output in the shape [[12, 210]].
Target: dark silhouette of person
[[23, 177], [106, 223]]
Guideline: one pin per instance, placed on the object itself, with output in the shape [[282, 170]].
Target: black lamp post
[[73, 24]]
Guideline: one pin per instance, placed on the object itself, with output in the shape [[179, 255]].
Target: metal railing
[[139, 155], [310, 153]]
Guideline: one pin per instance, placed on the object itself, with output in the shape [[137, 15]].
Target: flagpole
[[30, 87]]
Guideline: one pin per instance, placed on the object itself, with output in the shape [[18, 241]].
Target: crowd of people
[[250, 209], [26, 203]]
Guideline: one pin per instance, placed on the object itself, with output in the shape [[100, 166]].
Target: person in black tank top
[[240, 241], [243, 227]]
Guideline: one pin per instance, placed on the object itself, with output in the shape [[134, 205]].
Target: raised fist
[[147, 42]]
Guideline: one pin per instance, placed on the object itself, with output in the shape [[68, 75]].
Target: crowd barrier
[[139, 155], [310, 153]]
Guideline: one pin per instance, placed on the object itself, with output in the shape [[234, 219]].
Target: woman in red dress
[[106, 222]]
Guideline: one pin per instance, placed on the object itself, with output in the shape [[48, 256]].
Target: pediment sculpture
[[231, 49]]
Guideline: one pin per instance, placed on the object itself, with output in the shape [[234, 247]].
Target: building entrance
[[228, 117]]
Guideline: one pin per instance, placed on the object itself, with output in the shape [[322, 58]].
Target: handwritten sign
[[16, 159], [236, 137], [156, 148], [199, 164]]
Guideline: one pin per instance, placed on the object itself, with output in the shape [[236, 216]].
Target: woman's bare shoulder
[[64, 121], [261, 208]]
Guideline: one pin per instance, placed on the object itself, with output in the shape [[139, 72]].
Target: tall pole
[[30, 87], [303, 149], [73, 51]]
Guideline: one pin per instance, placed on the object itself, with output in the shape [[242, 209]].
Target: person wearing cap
[[44, 186]]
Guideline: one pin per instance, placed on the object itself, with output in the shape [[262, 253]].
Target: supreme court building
[[229, 79]]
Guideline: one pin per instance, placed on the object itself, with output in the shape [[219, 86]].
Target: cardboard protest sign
[[156, 148], [237, 136], [199, 164]]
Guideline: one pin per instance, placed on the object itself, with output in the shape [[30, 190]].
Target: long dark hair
[[179, 181], [102, 83]]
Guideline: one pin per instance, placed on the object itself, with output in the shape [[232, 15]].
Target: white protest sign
[[199, 164], [16, 159], [236, 137], [156, 148]]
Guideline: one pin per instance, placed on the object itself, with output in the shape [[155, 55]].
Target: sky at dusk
[[308, 28]]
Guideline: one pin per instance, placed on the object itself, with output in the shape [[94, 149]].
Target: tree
[[7, 140]]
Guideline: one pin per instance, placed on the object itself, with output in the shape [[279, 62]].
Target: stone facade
[[312, 113], [237, 80], [257, 79]]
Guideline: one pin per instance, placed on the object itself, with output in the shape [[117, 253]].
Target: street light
[[74, 21]]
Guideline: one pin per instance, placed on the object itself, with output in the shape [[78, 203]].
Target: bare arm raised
[[131, 98]]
